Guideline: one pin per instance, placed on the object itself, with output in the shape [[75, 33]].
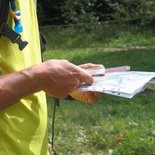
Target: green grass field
[[114, 125]]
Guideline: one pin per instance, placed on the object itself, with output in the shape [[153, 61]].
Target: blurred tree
[[79, 11], [40, 13], [104, 10], [136, 11], [53, 12]]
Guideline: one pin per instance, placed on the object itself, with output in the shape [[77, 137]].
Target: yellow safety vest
[[23, 125]]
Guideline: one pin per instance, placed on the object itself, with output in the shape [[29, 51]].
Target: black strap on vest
[[5, 30]]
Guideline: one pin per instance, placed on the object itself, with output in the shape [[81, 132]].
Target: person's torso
[[23, 129]]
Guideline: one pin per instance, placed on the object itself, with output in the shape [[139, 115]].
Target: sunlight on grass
[[112, 126], [121, 125]]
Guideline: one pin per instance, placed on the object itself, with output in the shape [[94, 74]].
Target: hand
[[89, 97], [60, 77], [89, 65]]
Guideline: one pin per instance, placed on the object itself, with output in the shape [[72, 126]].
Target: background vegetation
[[56, 12], [112, 126], [113, 33]]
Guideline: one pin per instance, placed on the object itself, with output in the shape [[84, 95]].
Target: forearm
[[16, 85], [56, 77]]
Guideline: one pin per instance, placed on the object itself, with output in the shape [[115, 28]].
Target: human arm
[[56, 77]]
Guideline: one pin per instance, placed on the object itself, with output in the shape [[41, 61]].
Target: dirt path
[[117, 49]]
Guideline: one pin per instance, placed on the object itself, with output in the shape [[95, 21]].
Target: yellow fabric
[[23, 126]]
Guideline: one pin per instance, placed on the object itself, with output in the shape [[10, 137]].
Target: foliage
[[102, 35], [138, 11], [40, 13], [90, 11], [51, 12], [79, 11]]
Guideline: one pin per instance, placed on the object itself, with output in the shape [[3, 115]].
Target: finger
[[89, 65], [82, 96], [97, 94], [88, 97], [91, 98]]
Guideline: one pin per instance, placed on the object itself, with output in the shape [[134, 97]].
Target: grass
[[99, 35], [83, 128], [138, 59], [122, 125], [114, 125]]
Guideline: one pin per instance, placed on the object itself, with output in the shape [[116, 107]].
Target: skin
[[57, 78], [88, 97]]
